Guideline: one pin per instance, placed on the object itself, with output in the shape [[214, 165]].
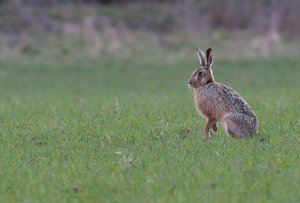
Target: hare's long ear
[[201, 57], [209, 58]]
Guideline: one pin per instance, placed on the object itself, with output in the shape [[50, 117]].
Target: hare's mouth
[[191, 85]]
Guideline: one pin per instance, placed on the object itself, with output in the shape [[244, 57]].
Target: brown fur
[[219, 103]]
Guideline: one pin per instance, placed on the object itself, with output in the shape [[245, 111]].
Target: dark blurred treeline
[[48, 2], [159, 16]]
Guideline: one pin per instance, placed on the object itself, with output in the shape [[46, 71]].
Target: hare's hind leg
[[229, 128], [237, 125]]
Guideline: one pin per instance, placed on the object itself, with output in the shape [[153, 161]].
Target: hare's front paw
[[207, 136], [215, 128]]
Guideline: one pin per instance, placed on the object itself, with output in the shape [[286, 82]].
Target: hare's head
[[202, 75]]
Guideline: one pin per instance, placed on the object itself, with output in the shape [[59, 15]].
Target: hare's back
[[232, 101]]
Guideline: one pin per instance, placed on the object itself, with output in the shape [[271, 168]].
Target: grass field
[[126, 130]]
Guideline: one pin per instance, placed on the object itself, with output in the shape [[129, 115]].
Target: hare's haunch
[[219, 103]]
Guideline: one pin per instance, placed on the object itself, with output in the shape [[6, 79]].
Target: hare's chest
[[202, 105]]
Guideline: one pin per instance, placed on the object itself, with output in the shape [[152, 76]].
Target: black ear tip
[[208, 51]]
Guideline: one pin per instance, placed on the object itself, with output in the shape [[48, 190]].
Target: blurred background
[[125, 28], [93, 47]]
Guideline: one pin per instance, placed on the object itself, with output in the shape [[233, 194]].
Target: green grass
[[126, 130]]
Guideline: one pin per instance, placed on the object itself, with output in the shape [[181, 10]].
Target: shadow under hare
[[220, 103]]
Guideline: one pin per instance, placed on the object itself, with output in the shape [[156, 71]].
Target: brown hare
[[219, 103]]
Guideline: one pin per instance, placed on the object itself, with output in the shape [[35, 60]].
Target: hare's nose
[[190, 82]]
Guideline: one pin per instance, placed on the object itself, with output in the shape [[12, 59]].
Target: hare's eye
[[200, 73]]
